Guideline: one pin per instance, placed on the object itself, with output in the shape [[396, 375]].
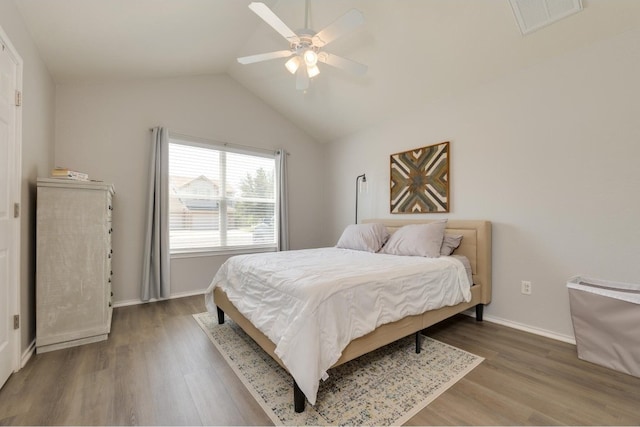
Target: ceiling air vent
[[534, 14]]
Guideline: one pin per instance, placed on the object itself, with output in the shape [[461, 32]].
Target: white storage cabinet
[[73, 263]]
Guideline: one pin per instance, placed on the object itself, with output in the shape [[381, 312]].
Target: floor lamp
[[364, 180]]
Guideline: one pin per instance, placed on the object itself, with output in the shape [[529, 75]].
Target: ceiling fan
[[306, 47]]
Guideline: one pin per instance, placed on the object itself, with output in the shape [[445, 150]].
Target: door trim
[[16, 196]]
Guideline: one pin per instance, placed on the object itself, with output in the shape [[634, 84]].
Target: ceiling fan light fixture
[[306, 47], [293, 64], [313, 71], [310, 58]]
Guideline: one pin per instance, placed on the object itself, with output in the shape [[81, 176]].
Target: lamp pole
[[364, 179]]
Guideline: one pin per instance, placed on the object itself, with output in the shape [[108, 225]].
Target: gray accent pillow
[[417, 240], [364, 237], [450, 243]]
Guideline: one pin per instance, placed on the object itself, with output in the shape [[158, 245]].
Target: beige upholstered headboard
[[475, 245]]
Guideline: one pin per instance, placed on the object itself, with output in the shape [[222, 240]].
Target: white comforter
[[312, 303]]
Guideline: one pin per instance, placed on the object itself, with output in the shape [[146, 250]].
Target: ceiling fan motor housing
[[305, 45]]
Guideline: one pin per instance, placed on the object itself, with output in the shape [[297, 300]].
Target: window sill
[[223, 252]]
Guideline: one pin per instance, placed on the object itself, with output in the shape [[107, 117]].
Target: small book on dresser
[[59, 172]]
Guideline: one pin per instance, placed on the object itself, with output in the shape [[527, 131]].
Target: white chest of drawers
[[73, 263]]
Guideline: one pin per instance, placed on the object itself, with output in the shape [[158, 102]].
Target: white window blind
[[220, 199]]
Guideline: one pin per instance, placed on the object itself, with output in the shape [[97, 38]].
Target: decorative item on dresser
[[73, 263]]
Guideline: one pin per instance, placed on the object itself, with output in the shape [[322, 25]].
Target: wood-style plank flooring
[[159, 368]]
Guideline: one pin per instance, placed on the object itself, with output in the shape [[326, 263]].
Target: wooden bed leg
[[298, 398], [220, 316], [479, 311], [418, 342]]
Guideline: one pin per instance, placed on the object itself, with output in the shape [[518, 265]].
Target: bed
[[475, 246]]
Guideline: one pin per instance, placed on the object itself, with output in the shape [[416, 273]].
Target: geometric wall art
[[420, 180]]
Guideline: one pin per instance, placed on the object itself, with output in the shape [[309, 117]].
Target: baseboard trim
[[488, 318], [126, 303], [26, 355], [525, 328]]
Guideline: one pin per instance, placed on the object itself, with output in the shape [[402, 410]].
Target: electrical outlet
[[525, 287]]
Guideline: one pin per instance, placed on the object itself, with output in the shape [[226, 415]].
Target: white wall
[[103, 129], [549, 154], [37, 153]]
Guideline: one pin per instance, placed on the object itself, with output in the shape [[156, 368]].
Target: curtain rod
[[227, 144]]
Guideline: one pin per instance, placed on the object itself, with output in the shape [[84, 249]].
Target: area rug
[[385, 387]]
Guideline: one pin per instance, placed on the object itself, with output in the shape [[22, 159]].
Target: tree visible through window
[[220, 199], [254, 209]]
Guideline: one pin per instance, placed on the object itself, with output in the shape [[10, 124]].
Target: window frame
[[223, 148]]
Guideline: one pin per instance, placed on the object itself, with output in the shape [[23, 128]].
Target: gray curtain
[[283, 200], [155, 266]]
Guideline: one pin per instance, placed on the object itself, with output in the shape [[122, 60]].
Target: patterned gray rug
[[385, 387]]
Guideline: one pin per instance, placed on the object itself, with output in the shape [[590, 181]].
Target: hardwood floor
[[159, 368]]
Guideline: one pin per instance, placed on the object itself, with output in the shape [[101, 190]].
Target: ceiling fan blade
[[337, 28], [343, 63], [272, 19], [302, 79], [264, 56]]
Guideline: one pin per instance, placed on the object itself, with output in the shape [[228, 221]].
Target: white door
[[9, 223]]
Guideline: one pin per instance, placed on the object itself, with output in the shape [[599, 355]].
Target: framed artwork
[[420, 180]]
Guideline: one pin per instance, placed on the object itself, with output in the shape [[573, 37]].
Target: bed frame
[[475, 245]]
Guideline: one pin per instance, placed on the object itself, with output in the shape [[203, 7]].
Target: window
[[220, 199]]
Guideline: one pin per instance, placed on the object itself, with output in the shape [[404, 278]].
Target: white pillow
[[363, 237], [417, 240]]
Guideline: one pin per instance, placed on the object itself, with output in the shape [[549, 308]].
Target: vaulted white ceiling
[[418, 51]]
